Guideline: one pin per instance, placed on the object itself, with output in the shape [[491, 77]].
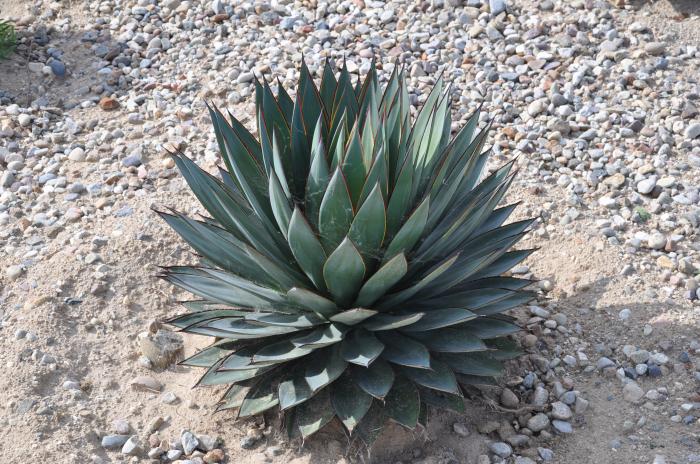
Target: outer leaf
[[403, 403], [504, 349], [486, 327], [473, 363], [450, 340], [439, 318], [281, 351], [371, 425], [286, 320], [442, 400], [259, 399], [233, 398], [293, 391], [349, 402], [210, 355], [313, 414], [438, 377]]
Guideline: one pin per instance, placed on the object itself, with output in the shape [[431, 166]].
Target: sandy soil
[[93, 336]]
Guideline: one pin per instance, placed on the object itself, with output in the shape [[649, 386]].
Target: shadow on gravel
[[684, 8], [674, 325], [77, 60], [597, 315]]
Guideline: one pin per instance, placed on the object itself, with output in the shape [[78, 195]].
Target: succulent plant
[[8, 39], [353, 262]]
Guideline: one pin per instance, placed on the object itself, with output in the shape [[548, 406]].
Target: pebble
[[58, 68], [562, 426], [132, 446], [509, 399], [214, 456], [460, 429], [604, 362], [109, 103], [655, 48], [24, 120], [13, 272], [692, 131], [538, 422], [162, 348], [632, 392], [501, 449], [601, 116], [561, 411], [114, 441], [189, 442], [77, 154], [546, 454], [146, 383]]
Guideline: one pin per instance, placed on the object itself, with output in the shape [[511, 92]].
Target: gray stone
[[562, 426], [189, 442], [497, 6], [207, 442], [133, 160], [113, 442], [546, 454], [509, 399], [561, 411], [132, 446], [541, 396], [13, 272], [538, 422], [501, 449], [646, 186], [692, 131], [604, 363], [146, 383], [581, 405], [655, 48], [162, 348]]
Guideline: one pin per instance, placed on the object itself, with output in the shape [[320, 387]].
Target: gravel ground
[[599, 102]]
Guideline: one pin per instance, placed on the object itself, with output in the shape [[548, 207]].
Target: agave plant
[[352, 264], [8, 39]]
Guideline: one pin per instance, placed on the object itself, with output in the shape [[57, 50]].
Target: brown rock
[[219, 18], [109, 103], [214, 456]]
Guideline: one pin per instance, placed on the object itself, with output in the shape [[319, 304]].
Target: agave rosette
[[353, 262]]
